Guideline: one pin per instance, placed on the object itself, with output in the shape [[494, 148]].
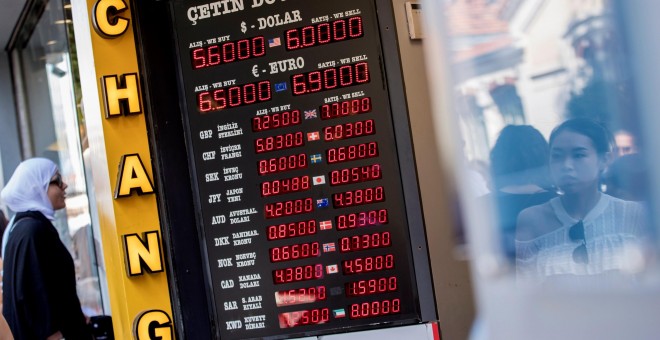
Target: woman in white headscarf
[[39, 283]]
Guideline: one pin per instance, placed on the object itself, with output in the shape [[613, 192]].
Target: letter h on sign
[[121, 95]]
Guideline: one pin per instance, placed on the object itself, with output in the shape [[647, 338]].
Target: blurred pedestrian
[[520, 178], [39, 283]]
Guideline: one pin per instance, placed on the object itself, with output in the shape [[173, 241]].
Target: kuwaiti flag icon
[[339, 313]]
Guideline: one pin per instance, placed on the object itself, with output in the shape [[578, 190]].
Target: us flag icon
[[318, 180], [325, 225]]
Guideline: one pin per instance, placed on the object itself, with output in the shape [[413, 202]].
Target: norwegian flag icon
[[328, 247]]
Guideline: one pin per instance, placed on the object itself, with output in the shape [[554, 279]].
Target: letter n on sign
[[143, 254]]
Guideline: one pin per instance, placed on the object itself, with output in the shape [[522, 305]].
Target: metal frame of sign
[[175, 178]]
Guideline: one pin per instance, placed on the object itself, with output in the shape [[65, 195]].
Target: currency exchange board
[[298, 182]]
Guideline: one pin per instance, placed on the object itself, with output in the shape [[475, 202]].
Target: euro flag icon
[[279, 87]]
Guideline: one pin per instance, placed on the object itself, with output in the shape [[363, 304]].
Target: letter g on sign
[[106, 20], [153, 325]]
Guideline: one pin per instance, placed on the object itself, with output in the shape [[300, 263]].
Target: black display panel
[[298, 183]]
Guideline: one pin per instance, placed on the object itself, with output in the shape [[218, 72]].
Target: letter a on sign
[[121, 95], [142, 256], [132, 176]]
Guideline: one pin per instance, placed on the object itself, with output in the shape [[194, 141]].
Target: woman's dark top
[[508, 208], [39, 283]]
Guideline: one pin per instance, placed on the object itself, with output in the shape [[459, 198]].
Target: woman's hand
[[56, 336]]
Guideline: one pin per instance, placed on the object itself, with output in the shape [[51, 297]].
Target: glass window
[[551, 136], [52, 88]]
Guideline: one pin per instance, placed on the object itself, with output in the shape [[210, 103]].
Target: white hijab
[[27, 188]]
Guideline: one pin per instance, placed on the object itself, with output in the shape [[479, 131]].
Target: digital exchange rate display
[[292, 145]]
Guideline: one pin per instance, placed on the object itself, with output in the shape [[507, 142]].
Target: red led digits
[[330, 78], [284, 163], [374, 308], [293, 229], [304, 317], [297, 274], [361, 219], [324, 33], [368, 264], [285, 186], [294, 252], [276, 121], [228, 52], [279, 142], [300, 296], [355, 174], [346, 108], [349, 130], [352, 152], [358, 197], [364, 242], [288, 208], [234, 96], [370, 287]]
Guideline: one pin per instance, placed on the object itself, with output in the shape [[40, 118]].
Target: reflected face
[[574, 162], [56, 192], [625, 142]]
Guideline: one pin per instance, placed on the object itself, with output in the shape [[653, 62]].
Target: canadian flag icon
[[318, 180]]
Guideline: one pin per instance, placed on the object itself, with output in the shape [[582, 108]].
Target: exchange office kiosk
[[283, 166]]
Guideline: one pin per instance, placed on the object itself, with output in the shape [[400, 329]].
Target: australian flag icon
[[322, 203]]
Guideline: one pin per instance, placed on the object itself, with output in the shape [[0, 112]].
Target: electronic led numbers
[[228, 52], [355, 174], [346, 108], [291, 133], [293, 229], [330, 79], [304, 317], [234, 96], [361, 219], [297, 274], [352, 152], [324, 33], [371, 286], [276, 120], [300, 296]]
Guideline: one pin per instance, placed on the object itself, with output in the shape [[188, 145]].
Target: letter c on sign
[[106, 20], [153, 325]]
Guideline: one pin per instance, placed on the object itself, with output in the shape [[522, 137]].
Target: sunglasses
[[57, 181], [576, 233]]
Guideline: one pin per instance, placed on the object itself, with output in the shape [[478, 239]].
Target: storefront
[[193, 240], [282, 169]]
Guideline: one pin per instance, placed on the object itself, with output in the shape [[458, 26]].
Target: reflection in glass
[[51, 86], [552, 66], [520, 179], [583, 231]]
